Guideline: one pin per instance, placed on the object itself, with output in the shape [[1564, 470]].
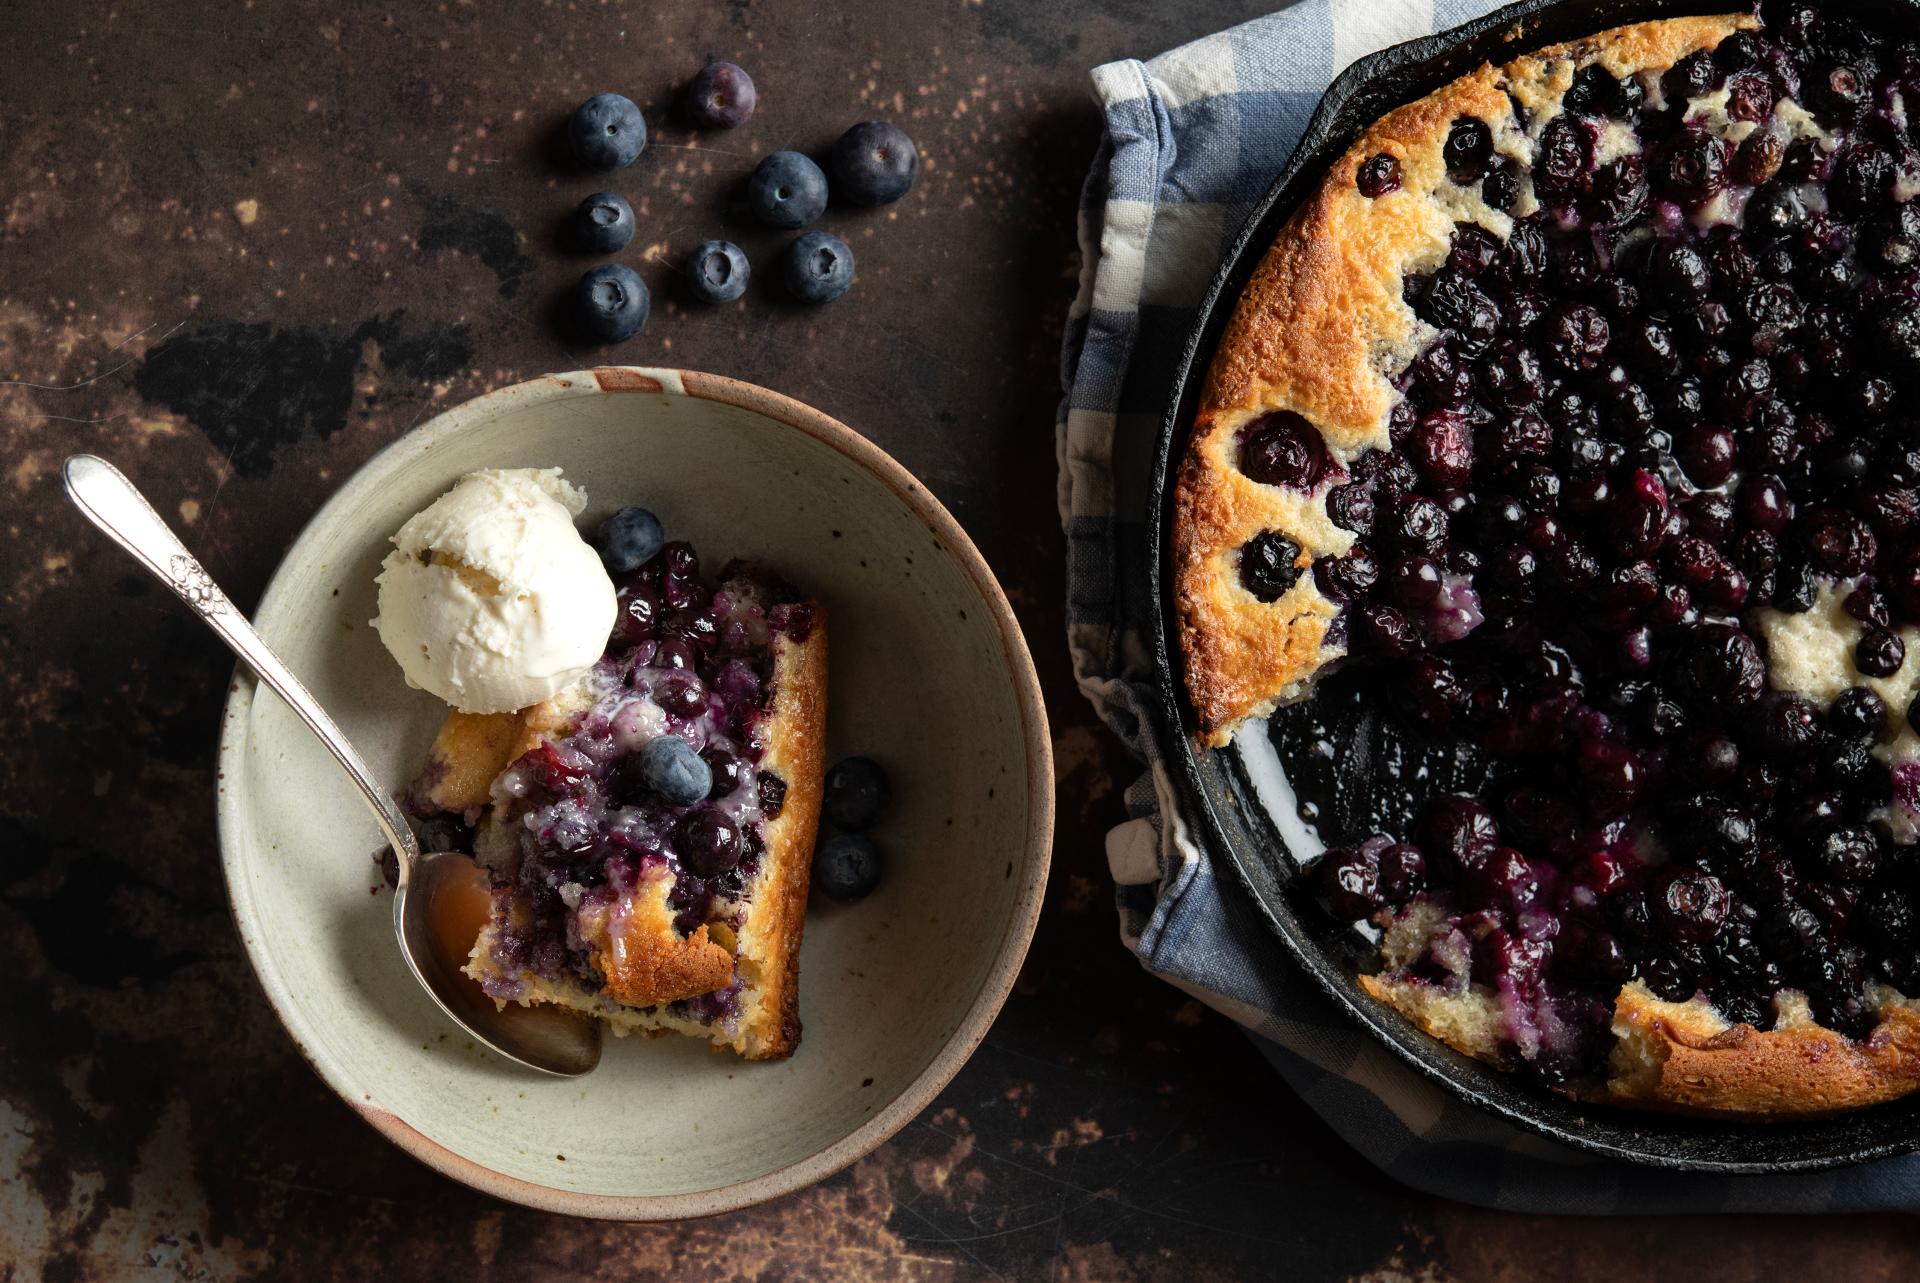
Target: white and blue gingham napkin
[[1193, 138]]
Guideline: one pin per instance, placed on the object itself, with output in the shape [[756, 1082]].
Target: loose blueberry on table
[[611, 303], [787, 190], [717, 272], [607, 132], [817, 268], [721, 96], [603, 223], [874, 163], [1644, 548]]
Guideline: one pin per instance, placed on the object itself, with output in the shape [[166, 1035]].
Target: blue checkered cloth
[[1193, 138]]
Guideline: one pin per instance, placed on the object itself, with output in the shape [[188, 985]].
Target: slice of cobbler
[[610, 898]]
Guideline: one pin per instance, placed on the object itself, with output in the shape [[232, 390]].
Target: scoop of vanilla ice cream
[[491, 599]]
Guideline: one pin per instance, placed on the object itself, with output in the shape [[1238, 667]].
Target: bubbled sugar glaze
[[1683, 392]]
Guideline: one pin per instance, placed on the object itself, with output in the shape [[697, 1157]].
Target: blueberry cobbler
[[1576, 416], [649, 829]]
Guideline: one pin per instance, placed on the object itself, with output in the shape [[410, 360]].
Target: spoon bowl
[[440, 899]]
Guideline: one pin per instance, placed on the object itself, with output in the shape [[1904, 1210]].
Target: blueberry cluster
[[873, 163], [847, 866], [1684, 389]]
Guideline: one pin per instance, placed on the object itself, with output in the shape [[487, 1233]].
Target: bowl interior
[[1225, 789], [921, 678]]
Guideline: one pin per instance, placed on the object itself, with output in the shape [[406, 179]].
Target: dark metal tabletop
[[243, 247]]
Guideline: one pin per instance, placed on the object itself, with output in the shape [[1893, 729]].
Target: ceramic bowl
[[929, 674]]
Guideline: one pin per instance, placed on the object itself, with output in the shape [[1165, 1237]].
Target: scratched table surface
[[242, 247]]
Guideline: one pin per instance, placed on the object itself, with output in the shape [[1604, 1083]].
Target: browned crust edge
[[796, 751], [1310, 334], [1684, 1058], [651, 963]]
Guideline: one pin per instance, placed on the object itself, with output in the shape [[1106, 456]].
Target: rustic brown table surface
[[242, 248]]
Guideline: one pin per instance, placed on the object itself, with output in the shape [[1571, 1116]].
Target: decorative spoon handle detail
[[111, 502]]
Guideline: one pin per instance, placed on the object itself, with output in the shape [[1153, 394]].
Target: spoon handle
[[112, 503]]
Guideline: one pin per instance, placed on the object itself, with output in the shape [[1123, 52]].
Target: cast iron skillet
[[1216, 787]]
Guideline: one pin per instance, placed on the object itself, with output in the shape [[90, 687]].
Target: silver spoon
[[440, 902]]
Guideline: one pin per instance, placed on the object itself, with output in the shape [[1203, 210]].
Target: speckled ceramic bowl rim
[[1040, 792]]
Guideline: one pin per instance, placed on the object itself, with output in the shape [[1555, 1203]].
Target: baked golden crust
[[646, 962], [1683, 1056], [770, 941], [1320, 330], [469, 750]]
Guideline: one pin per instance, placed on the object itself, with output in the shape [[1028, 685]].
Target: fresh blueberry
[[847, 866], [603, 224], [607, 131], [671, 768], [612, 303], [818, 268], [857, 793], [628, 539], [720, 97], [874, 163], [787, 190], [717, 272]]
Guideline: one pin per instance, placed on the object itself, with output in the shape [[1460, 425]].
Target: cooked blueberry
[[607, 131], [874, 163], [787, 190], [1565, 155], [1692, 76], [1501, 190], [857, 793], [1776, 208], [670, 767], [1453, 302], [1787, 725], [1721, 667], [817, 268], [720, 96], [1839, 94], [628, 539], [1378, 175], [1403, 874], [729, 772], [1283, 449], [708, 841], [1468, 149], [1269, 565], [773, 795], [611, 303], [682, 695], [717, 272], [1840, 542], [603, 223], [1692, 906], [847, 866], [1879, 653], [1677, 274]]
